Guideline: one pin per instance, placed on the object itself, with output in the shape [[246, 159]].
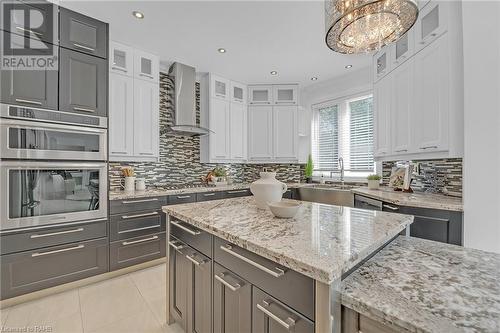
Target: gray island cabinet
[[235, 268]]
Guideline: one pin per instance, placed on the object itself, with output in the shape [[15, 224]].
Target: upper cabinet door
[[83, 82], [260, 95], [432, 81], [219, 87], [260, 133], [36, 19], [121, 58], [382, 114], [219, 124], [432, 22], [238, 131], [238, 93], [381, 63], [146, 119], [35, 88], [285, 94], [146, 66], [403, 48], [121, 115], [285, 133], [82, 33], [402, 107]]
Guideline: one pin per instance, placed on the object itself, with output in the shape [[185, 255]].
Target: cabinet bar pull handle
[[138, 229], [39, 254], [119, 69], [288, 324], [236, 192], [76, 108], [84, 47], [186, 229], [138, 201], [229, 249], [125, 217], [231, 287], [119, 152], [208, 194], [175, 245], [393, 208], [183, 196], [428, 147], [401, 150], [146, 75], [146, 153], [57, 233], [29, 30], [27, 101], [194, 261], [140, 240]]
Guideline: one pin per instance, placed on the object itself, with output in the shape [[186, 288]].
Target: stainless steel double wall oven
[[53, 167]]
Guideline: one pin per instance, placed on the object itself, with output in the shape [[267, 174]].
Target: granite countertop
[[321, 241], [416, 199], [121, 195], [426, 286]]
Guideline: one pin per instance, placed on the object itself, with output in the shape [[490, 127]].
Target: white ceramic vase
[[267, 189]]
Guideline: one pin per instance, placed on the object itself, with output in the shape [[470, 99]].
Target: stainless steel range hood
[[185, 102]]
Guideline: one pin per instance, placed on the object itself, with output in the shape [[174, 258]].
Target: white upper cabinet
[[285, 94], [121, 58], [432, 22], [381, 63], [219, 87], [402, 107], [382, 116], [260, 95], [260, 133], [146, 115], [238, 93], [219, 125], [285, 131], [238, 131], [432, 73], [403, 48], [121, 116], [146, 66]]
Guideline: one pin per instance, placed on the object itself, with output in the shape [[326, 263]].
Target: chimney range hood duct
[[184, 122]]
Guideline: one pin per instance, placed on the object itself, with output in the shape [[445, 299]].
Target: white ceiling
[[260, 36]]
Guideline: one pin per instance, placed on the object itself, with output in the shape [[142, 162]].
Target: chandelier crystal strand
[[358, 26]]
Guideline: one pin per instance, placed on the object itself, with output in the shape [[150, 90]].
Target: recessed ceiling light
[[221, 50], [348, 66], [274, 73], [314, 78], [138, 14]]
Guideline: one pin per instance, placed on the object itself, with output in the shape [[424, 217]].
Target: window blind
[[326, 152], [361, 134]]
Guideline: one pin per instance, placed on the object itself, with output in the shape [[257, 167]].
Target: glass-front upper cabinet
[[219, 87], [285, 94], [121, 58], [146, 66], [381, 63], [403, 48], [260, 94], [432, 22], [238, 93]]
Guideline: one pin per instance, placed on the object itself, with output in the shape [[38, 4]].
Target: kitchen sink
[[332, 194]]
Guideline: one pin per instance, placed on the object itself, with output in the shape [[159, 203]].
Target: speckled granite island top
[[426, 286], [417, 199], [321, 241]]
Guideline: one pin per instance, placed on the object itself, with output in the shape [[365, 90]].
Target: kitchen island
[[289, 270]]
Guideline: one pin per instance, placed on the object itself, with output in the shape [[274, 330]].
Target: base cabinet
[[178, 272], [354, 322]]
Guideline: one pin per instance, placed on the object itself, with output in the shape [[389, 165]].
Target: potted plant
[[373, 182], [309, 169]]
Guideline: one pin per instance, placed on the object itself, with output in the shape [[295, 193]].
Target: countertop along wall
[[179, 163]]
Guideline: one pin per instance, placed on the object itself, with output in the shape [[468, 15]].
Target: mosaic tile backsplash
[[179, 163], [436, 176]]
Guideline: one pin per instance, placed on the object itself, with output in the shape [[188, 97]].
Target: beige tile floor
[[134, 302]]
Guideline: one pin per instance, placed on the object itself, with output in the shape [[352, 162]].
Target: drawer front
[[181, 198], [136, 250], [209, 196], [237, 193], [136, 205], [272, 316], [136, 225], [194, 237], [44, 237], [288, 286], [29, 271]]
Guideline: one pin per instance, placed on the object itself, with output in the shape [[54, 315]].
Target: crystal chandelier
[[357, 26]]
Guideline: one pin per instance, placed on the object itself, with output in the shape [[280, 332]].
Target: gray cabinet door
[[83, 33], [179, 266], [29, 271], [271, 316], [232, 302], [206, 196], [83, 83], [136, 250], [199, 293], [34, 88], [237, 193]]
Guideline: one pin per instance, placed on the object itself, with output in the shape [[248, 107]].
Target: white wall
[[481, 31]]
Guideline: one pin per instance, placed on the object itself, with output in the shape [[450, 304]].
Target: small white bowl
[[284, 209]]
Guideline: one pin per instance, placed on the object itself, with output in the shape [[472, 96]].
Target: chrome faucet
[[341, 167]]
